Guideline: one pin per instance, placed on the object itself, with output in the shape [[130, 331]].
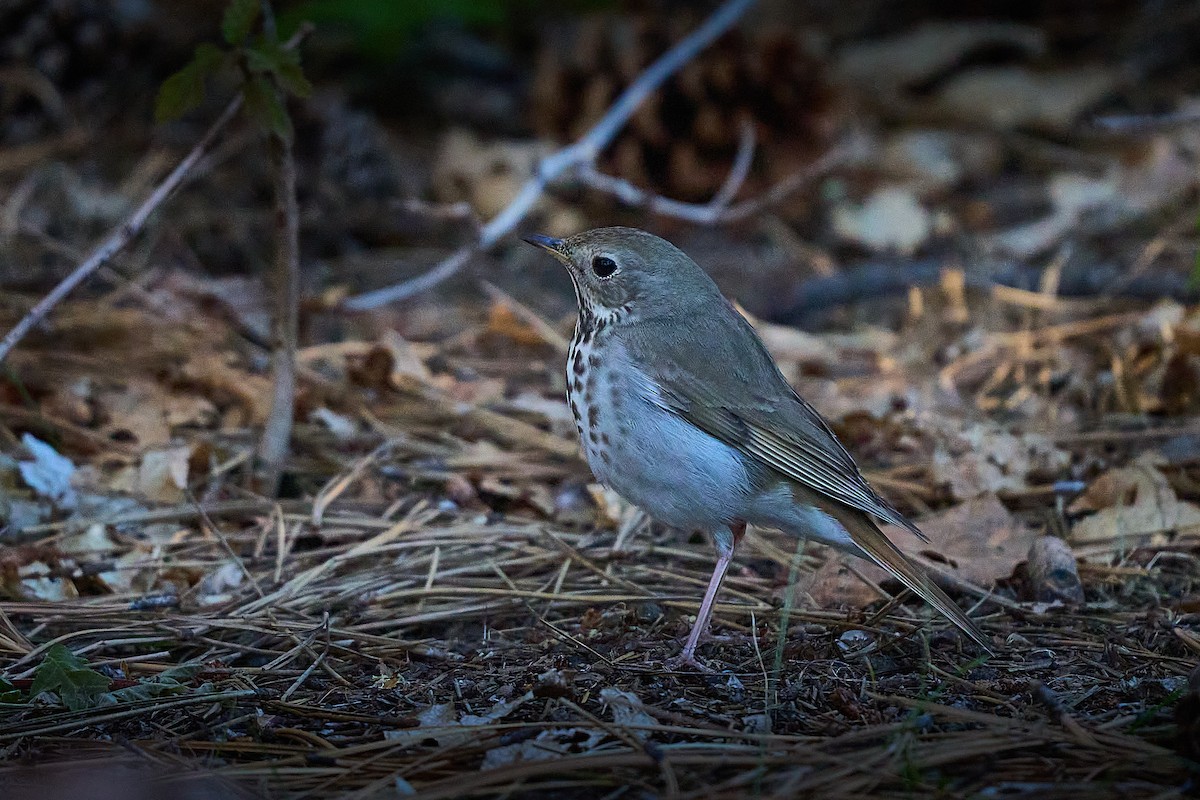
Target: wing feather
[[754, 409]]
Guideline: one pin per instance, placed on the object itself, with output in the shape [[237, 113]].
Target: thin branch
[[717, 211], [285, 275], [123, 235], [742, 161], [132, 226], [584, 151], [1140, 123]]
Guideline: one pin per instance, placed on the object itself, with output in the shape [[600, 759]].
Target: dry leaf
[[488, 174], [1008, 97], [163, 474], [48, 473], [984, 458], [93, 539], [442, 724], [627, 710], [504, 323], [137, 570], [478, 392], [1117, 487], [549, 744], [36, 583], [891, 219], [889, 64], [407, 358], [218, 585], [1137, 507], [1128, 190], [930, 160], [978, 540], [835, 585], [343, 428], [227, 385]]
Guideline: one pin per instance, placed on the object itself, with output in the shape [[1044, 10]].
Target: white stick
[[122, 236], [131, 227], [718, 210], [584, 151]]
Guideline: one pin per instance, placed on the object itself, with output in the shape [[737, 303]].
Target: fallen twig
[[583, 152], [1139, 123], [132, 226], [718, 210], [123, 235]]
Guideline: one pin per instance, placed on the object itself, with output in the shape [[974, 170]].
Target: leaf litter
[[445, 604], [525, 645]]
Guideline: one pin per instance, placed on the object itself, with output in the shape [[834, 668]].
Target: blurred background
[[982, 122], [984, 273]]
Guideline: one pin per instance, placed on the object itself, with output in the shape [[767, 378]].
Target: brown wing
[[735, 392]]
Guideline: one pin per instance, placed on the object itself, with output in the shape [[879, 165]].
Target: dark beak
[[548, 243]]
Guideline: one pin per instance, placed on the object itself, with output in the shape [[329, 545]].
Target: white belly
[[672, 470]]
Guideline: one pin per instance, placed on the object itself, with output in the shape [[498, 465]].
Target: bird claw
[[687, 661]]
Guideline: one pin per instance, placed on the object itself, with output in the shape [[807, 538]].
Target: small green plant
[[70, 679], [9, 693], [269, 71], [1150, 714], [67, 675], [1194, 278]]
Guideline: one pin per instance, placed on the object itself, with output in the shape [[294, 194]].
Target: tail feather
[[882, 551]]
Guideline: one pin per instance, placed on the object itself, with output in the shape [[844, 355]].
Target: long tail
[[866, 534]]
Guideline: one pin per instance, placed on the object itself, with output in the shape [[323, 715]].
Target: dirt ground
[[992, 299]]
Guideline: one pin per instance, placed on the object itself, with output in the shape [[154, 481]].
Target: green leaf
[[239, 18], [184, 90], [1194, 278], [68, 676], [208, 58], [266, 106], [270, 57], [9, 693], [144, 690], [178, 95], [291, 77], [181, 673]]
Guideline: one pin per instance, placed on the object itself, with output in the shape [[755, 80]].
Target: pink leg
[[704, 616]]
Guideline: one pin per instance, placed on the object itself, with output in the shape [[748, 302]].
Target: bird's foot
[[685, 662]]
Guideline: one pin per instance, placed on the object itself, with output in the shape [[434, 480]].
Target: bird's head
[[628, 274]]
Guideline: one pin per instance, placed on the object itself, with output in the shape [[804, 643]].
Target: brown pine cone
[[681, 143]]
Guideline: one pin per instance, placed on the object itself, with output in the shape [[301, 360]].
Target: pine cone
[[681, 142], [50, 49], [65, 40]]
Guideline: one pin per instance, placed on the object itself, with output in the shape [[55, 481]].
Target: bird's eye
[[603, 266]]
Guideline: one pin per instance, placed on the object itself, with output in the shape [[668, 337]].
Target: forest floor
[[443, 603]]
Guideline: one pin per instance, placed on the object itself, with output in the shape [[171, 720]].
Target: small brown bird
[[682, 411]]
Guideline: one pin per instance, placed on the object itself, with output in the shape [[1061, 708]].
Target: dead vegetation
[[441, 603], [451, 609]]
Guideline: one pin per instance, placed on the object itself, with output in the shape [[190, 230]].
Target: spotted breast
[[584, 375], [636, 446]]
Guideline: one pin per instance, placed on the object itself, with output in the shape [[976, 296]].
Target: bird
[[682, 411]]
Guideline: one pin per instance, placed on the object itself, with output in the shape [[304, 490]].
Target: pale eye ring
[[604, 267]]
